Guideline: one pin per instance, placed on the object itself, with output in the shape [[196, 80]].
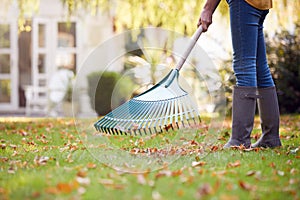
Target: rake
[[164, 106]]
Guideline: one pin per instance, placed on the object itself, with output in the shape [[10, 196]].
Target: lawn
[[51, 159]]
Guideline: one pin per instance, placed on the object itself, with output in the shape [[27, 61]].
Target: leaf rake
[[164, 106]]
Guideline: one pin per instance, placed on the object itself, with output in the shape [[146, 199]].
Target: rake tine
[[150, 117], [145, 131], [105, 130], [195, 109], [118, 131], [176, 112], [181, 111], [186, 111], [155, 130], [127, 114], [162, 114], [144, 114], [168, 112], [160, 129], [172, 113], [111, 131], [150, 131], [155, 115], [158, 118], [166, 128], [148, 120], [142, 107]]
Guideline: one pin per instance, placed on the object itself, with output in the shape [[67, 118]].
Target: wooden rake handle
[[185, 55], [190, 47]]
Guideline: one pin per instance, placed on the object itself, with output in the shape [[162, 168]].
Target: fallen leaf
[[214, 148], [40, 160], [203, 191], [200, 163], [251, 173], [91, 165], [3, 146], [64, 188], [280, 173], [235, 164], [83, 180], [81, 173], [176, 173], [245, 186], [272, 165]]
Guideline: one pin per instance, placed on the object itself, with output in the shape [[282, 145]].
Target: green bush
[[284, 59], [108, 90]]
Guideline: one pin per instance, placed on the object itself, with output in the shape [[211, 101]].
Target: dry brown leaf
[[235, 164], [214, 148], [3, 146], [219, 173], [272, 165], [204, 190], [196, 164], [251, 173], [64, 188], [91, 165], [41, 160], [246, 186], [81, 173], [176, 173]]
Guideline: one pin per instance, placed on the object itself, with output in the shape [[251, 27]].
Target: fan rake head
[[163, 107]]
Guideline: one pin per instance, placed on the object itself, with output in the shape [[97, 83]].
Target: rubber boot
[[269, 118], [243, 112]]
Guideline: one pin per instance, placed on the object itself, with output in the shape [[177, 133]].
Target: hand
[[205, 19]]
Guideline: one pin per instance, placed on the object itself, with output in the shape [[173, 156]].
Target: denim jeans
[[250, 64]]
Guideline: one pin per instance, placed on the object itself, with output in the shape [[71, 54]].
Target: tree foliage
[[284, 55]]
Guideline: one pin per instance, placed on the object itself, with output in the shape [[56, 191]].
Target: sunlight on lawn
[[46, 158]]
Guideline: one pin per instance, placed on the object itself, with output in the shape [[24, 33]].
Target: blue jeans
[[250, 63]]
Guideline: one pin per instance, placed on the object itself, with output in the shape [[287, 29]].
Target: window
[[66, 45]]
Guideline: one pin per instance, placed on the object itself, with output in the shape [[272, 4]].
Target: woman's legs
[[248, 44], [249, 65], [263, 74]]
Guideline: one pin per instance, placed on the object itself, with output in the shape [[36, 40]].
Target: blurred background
[[44, 42]]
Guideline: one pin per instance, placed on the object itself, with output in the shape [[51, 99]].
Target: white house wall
[[91, 32]]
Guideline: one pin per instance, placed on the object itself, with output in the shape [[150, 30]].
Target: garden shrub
[[108, 90], [284, 59]]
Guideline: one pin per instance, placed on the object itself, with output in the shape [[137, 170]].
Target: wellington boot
[[243, 111], [269, 117]]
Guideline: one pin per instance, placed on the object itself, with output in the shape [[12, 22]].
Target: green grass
[[49, 159]]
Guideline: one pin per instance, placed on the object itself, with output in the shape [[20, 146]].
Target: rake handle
[[190, 47]]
